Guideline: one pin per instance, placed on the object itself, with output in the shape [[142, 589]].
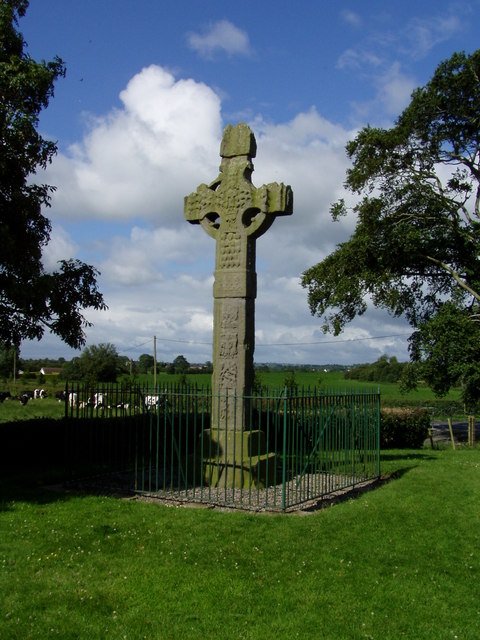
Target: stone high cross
[[235, 213]]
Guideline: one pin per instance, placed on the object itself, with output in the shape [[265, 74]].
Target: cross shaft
[[235, 213]]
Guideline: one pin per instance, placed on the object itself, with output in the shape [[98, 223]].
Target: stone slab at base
[[237, 459]]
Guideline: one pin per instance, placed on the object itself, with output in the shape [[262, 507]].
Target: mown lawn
[[400, 561]]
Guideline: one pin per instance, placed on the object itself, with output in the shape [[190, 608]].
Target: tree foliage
[[97, 363], [7, 361], [31, 299], [33, 365], [146, 363], [416, 242], [181, 364], [385, 369], [446, 352]]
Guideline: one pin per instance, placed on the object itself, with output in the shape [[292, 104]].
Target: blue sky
[[138, 121]]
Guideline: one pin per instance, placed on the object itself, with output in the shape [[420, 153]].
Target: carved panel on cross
[[230, 251]]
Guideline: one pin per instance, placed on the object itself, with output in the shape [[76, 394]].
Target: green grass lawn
[[12, 410], [400, 561]]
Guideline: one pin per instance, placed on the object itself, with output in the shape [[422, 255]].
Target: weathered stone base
[[237, 459]]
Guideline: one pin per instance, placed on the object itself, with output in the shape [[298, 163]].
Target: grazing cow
[[151, 401], [60, 396], [39, 393], [154, 401], [99, 400], [4, 395], [95, 401], [24, 398]]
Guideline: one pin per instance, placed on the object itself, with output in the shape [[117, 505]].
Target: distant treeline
[[385, 369], [34, 365], [144, 364], [276, 366]]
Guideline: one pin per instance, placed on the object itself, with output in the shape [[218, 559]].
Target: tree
[[385, 369], [145, 363], [7, 361], [32, 300], [447, 348], [208, 366], [97, 363], [415, 247], [181, 364]]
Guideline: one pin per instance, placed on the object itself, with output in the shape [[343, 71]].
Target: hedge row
[[434, 406], [403, 428]]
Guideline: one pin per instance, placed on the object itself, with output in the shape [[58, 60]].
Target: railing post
[[284, 456], [379, 417]]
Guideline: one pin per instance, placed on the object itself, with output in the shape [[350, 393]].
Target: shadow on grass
[[45, 486], [33, 485]]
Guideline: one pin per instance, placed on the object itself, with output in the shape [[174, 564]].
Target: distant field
[[334, 381], [389, 392], [326, 381]]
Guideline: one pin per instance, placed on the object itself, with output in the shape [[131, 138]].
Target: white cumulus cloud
[[394, 90], [222, 36], [135, 160]]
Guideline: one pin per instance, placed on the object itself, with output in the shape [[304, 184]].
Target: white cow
[[98, 400], [152, 401]]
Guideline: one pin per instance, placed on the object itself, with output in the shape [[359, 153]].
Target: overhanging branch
[[458, 279]]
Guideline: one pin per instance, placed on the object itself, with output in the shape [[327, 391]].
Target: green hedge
[[435, 406], [403, 428]]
